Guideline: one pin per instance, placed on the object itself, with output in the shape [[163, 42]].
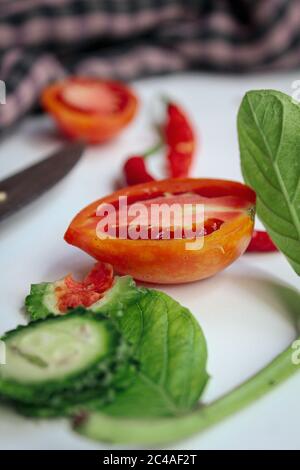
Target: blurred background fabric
[[44, 40]]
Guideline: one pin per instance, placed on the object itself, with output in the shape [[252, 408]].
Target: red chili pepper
[[261, 242], [135, 171], [179, 163], [180, 141], [180, 138]]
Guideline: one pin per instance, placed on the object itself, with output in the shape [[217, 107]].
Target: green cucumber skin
[[70, 402], [35, 303], [100, 427], [123, 292], [67, 409], [49, 391]]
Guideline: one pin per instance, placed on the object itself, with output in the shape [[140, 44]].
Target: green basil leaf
[[171, 351], [269, 139]]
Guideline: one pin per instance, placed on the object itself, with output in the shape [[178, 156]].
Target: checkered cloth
[[43, 40]]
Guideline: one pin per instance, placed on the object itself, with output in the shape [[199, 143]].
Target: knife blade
[[21, 188]]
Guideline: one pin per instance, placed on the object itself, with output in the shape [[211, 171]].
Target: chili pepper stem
[[155, 148], [165, 99]]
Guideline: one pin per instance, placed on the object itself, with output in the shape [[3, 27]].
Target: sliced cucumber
[[122, 293], [42, 300], [49, 359]]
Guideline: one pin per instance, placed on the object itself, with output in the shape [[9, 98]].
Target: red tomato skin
[[168, 261], [89, 126]]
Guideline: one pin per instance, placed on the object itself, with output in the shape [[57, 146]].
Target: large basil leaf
[[269, 139], [171, 351]]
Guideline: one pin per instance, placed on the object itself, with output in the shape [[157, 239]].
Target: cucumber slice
[[122, 293], [42, 300], [49, 360]]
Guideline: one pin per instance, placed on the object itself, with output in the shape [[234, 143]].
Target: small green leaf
[[269, 139]]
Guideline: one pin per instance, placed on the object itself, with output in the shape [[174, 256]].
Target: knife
[[21, 188]]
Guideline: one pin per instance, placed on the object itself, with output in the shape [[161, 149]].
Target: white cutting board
[[245, 319]]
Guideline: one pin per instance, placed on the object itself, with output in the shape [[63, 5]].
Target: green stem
[[153, 149], [165, 99], [165, 430]]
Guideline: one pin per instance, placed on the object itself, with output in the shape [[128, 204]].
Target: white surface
[[243, 315]]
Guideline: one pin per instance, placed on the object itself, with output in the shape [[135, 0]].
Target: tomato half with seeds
[[222, 211], [89, 108]]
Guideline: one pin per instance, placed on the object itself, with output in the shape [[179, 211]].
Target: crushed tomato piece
[[71, 293]]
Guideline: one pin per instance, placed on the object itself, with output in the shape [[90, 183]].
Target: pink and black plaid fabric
[[43, 40]]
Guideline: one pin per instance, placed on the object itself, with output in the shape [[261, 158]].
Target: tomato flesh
[[71, 293], [88, 108], [90, 96], [228, 221], [205, 216]]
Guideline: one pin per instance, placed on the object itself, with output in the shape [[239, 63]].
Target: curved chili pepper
[[135, 171], [180, 139], [261, 242], [179, 163]]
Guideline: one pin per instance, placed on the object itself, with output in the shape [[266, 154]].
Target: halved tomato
[[226, 214], [89, 108]]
